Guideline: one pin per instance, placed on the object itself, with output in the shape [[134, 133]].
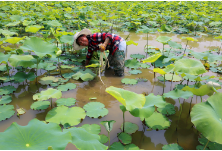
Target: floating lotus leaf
[[168, 109], [84, 140], [33, 28], [119, 146], [69, 39], [172, 77], [6, 111], [163, 39], [66, 101], [66, 67], [40, 47], [137, 56], [135, 71], [64, 115], [193, 67], [21, 60], [14, 40], [172, 147], [174, 45], [67, 75], [143, 65], [5, 99], [103, 138], [20, 111], [206, 116], [152, 58], [129, 81], [175, 94], [108, 124], [93, 128], [95, 109], [129, 99], [48, 68], [54, 23], [47, 94], [132, 63], [129, 127], [22, 76], [47, 80], [7, 90], [86, 75], [125, 138], [66, 87], [37, 135], [130, 42], [157, 121], [40, 105]]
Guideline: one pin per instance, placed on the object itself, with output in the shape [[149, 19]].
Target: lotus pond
[[169, 98]]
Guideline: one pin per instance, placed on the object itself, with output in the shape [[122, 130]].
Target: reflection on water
[[181, 132]]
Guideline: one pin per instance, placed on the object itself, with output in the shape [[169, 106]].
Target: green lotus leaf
[[54, 23], [168, 109], [86, 75], [93, 128], [6, 79], [5, 99], [69, 39], [152, 58], [135, 71], [129, 99], [132, 63], [157, 121], [40, 47], [66, 67], [47, 80], [210, 145], [201, 91], [47, 94], [108, 124], [171, 58], [159, 62], [26, 22], [66, 101], [21, 60], [103, 138], [3, 67], [7, 90], [13, 40], [95, 109], [20, 111], [158, 70], [64, 115], [22, 76], [174, 45], [67, 75], [4, 58], [33, 28], [199, 55], [189, 77], [172, 77], [37, 135], [6, 111], [125, 138], [168, 69], [219, 37], [175, 94], [66, 87], [123, 108], [129, 127], [129, 81], [143, 65], [119, 146], [93, 65], [40, 105], [206, 116], [165, 27], [7, 33], [217, 23], [84, 140], [193, 67], [163, 39], [172, 147], [13, 23], [189, 38], [130, 42], [137, 56]]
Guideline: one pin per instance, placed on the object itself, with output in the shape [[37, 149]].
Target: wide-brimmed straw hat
[[76, 36]]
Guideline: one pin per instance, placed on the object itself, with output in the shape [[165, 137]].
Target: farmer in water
[[114, 43]]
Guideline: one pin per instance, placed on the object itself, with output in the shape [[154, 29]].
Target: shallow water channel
[[185, 135]]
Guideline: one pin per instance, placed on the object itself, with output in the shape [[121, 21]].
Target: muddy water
[[184, 134]]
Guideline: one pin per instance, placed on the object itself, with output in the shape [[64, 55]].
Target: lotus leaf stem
[[109, 139], [206, 145], [185, 47], [123, 121]]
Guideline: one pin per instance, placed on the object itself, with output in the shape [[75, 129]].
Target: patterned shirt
[[98, 38]]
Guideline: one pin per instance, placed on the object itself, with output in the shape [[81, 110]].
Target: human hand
[[102, 47]]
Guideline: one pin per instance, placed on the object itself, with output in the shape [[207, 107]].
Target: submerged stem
[[123, 121]]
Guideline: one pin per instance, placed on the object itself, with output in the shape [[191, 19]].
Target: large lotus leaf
[[125, 138], [40, 105], [158, 70], [66, 87], [67, 39], [174, 45], [40, 47], [37, 135], [172, 147], [7, 33], [7, 90], [164, 39], [129, 99], [129, 81], [206, 116], [157, 121], [6, 111], [119, 146], [159, 62], [171, 58], [135, 71], [13, 23], [137, 56], [13, 40], [175, 94], [84, 140], [108, 124], [189, 77], [168, 109], [95, 109], [172, 77], [132, 63], [47, 80], [4, 58], [93, 128], [84, 75], [66, 101], [129, 127], [21, 60], [49, 93], [152, 58], [201, 91], [5, 99], [143, 65], [22, 76], [54, 23], [33, 28], [149, 107], [64, 115], [193, 67], [212, 57], [199, 55]]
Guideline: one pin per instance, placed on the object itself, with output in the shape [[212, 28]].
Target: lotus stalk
[[206, 145]]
